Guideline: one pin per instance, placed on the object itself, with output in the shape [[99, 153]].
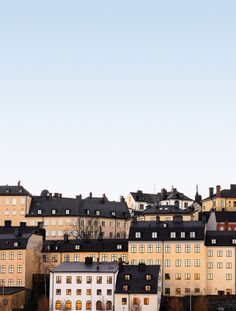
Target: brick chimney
[[218, 191]]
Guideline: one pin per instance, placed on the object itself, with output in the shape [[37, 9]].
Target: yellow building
[[221, 200], [12, 298]]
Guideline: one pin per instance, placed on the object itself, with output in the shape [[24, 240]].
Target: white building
[[83, 285]]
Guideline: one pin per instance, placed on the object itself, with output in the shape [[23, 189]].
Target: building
[[12, 298], [138, 287], [174, 197], [83, 285], [57, 252], [178, 247], [138, 201], [221, 200], [223, 220]]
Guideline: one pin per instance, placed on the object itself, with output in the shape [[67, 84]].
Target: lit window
[[78, 305], [125, 288], [154, 235], [150, 248], [76, 258], [58, 305], [39, 211], [127, 277], [147, 288], [68, 291], [187, 276], [196, 276], [213, 241], [88, 305], [138, 235], [68, 305], [173, 235], [54, 212], [133, 248], [119, 246], [141, 248], [68, 279], [124, 301], [192, 234], [158, 248]]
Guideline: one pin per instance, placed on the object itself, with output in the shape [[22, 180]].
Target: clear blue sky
[[114, 96]]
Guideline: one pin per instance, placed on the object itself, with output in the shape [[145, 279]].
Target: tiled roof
[[83, 267], [137, 282], [92, 245]]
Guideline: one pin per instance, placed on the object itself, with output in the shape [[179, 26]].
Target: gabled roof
[[164, 229], [137, 282], [92, 245], [14, 190], [220, 238], [166, 209], [108, 267]]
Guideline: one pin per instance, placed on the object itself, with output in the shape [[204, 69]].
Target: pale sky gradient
[[115, 96]]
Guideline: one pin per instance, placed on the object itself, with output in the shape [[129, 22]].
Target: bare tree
[[84, 228], [175, 304], [136, 305], [201, 304]]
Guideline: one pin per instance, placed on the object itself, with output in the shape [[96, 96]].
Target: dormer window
[[213, 241], [138, 235], [39, 211], [97, 213], [77, 246], [192, 234], [154, 235], [113, 214], [125, 288], [182, 234], [147, 288], [148, 277], [233, 241], [67, 212], [54, 212], [16, 244], [127, 277], [48, 247], [87, 212], [119, 246], [173, 235], [165, 225]]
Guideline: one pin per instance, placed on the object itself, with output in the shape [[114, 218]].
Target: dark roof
[[164, 229], [79, 207], [166, 209], [7, 241], [22, 228], [14, 190], [104, 245], [139, 196], [10, 290], [83, 267], [225, 193], [221, 216], [137, 281], [222, 238]]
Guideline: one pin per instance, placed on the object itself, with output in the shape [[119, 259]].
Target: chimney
[[122, 199], [18, 184], [218, 191], [59, 195], [23, 224], [141, 267], [66, 237], [7, 223], [139, 191], [120, 263], [90, 194], [56, 195], [211, 192], [79, 197], [17, 232], [157, 219], [50, 195], [163, 194], [232, 187], [103, 198]]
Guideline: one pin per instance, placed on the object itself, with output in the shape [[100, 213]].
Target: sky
[[115, 96]]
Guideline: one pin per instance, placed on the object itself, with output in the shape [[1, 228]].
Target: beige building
[[12, 298]]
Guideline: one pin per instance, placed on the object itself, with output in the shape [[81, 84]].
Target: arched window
[[58, 305], [88, 305], [78, 305], [98, 305], [108, 305], [68, 305]]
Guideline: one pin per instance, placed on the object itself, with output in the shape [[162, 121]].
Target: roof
[[137, 282], [221, 216], [10, 290], [7, 241], [139, 196], [107, 267], [78, 207], [14, 190], [166, 209], [163, 230], [224, 193], [104, 245], [220, 238], [23, 228]]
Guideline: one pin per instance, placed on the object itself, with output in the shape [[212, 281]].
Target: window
[[67, 212], [197, 290], [197, 248], [104, 258], [66, 258], [99, 292], [109, 292], [158, 248], [219, 265], [146, 301], [233, 241], [119, 246], [187, 248], [141, 248], [150, 248], [10, 269], [58, 305], [192, 234], [58, 279], [167, 276], [182, 235], [210, 253], [79, 279], [39, 211], [68, 279], [228, 265], [173, 235], [88, 305], [138, 235], [10, 282], [58, 291], [196, 276], [19, 268], [11, 256], [88, 279], [88, 292], [125, 288], [2, 269], [178, 276], [196, 262], [127, 277], [19, 255], [187, 263], [109, 280], [68, 291], [76, 257], [68, 305], [18, 282], [8, 201], [210, 265], [178, 262], [147, 288], [187, 276], [213, 241], [228, 253], [187, 290], [148, 277], [3, 255], [113, 257], [16, 244], [167, 291], [178, 248], [154, 235], [167, 248], [167, 262], [219, 253], [78, 305], [78, 291], [178, 291], [124, 301], [99, 280], [210, 276], [54, 212], [228, 276]]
